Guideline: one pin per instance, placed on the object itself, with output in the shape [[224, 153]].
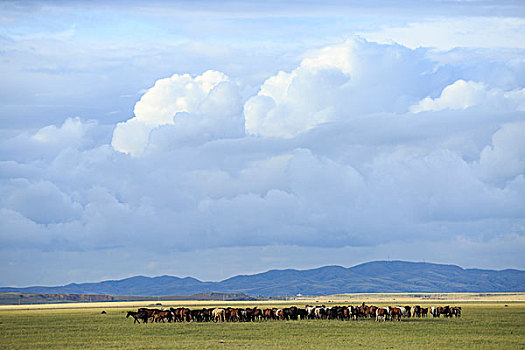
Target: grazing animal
[[245, 315], [310, 311], [416, 311], [148, 312], [302, 313], [138, 316], [232, 315], [367, 311], [267, 314], [381, 314], [279, 314], [408, 310], [197, 315], [320, 313], [456, 311], [342, 313], [434, 311], [163, 316], [218, 315], [186, 314], [395, 313], [444, 310], [424, 311], [256, 314]]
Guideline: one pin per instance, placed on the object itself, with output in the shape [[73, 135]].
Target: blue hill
[[376, 276]]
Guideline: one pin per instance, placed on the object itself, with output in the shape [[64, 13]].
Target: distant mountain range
[[377, 276]]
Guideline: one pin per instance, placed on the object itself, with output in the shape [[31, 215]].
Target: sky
[[210, 139]]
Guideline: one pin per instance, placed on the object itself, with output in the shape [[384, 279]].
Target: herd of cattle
[[342, 313]]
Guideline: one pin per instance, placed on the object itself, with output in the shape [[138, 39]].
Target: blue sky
[[216, 138]]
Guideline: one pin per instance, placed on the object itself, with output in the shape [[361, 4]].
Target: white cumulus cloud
[[337, 82], [464, 94], [179, 100]]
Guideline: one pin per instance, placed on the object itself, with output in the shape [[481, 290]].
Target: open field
[[483, 325], [423, 297], [355, 298]]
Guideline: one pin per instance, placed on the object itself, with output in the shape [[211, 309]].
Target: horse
[[256, 314], [381, 314], [424, 311], [267, 314], [395, 313], [416, 311], [137, 315], [163, 316], [456, 311], [218, 315], [148, 312]]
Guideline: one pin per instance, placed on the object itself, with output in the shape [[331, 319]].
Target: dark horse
[[138, 316]]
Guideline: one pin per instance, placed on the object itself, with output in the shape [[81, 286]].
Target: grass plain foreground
[[482, 326]]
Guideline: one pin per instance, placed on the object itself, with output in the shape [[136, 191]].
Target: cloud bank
[[208, 101], [362, 147]]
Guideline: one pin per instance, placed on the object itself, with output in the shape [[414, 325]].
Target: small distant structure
[[103, 312], [299, 295]]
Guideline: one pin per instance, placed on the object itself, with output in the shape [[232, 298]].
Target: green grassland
[[482, 326]]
